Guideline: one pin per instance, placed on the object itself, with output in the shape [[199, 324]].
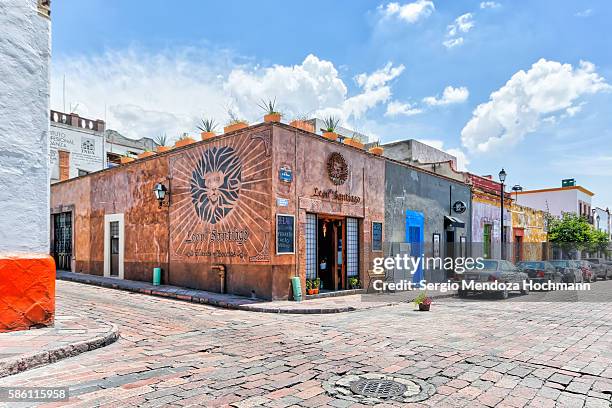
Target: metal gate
[[62, 240]]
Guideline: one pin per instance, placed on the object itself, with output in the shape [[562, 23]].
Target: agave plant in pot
[[330, 124], [356, 140], [207, 128], [423, 302], [302, 122], [271, 114], [184, 140], [234, 123], [162, 143], [315, 285], [126, 159], [309, 289], [376, 148], [146, 153]]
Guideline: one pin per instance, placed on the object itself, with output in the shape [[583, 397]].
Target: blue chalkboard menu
[[377, 236], [285, 234]]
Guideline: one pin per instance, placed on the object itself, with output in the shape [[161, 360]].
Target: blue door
[[414, 236]]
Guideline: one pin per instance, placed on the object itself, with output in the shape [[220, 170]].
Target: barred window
[[352, 247], [311, 246]]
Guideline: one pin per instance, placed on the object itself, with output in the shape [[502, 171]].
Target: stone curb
[[37, 359], [218, 303]]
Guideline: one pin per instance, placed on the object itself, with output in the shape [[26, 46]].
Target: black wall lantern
[[160, 193]]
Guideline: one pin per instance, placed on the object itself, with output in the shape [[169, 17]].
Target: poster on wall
[[377, 236], [436, 245], [285, 234]]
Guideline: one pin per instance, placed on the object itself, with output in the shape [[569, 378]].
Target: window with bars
[[352, 247], [311, 246]]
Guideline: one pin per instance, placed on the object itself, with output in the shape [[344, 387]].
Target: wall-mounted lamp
[[160, 193]]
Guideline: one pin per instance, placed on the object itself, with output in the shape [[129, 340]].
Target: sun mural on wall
[[215, 183], [221, 200]]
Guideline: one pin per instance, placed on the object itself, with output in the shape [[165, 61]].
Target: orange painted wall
[[27, 291]]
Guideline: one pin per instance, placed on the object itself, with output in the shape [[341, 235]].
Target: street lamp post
[[502, 178]]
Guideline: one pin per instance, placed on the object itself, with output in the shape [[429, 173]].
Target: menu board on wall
[[285, 234], [377, 236]]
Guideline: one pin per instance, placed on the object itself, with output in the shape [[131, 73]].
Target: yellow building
[[529, 233]]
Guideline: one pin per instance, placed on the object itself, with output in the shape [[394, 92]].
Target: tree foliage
[[572, 231]]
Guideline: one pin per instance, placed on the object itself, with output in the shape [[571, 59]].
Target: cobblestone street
[[471, 353]]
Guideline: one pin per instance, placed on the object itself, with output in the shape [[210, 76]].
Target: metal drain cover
[[378, 388]]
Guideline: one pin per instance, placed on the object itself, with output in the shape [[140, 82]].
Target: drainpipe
[[221, 271]]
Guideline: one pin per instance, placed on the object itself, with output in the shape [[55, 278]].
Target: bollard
[[297, 288], [156, 276]]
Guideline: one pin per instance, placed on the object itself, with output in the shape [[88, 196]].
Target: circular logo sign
[[459, 207], [337, 168], [215, 183]]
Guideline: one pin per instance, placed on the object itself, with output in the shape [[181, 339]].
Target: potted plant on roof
[[423, 302], [309, 289], [146, 153], [207, 128], [162, 143], [126, 158], [315, 285], [271, 114], [330, 124], [234, 123], [356, 140], [184, 140], [376, 148], [302, 122]]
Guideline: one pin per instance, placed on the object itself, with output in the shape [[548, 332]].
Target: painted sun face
[[215, 183]]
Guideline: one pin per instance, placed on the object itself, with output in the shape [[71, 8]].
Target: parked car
[[571, 272], [600, 268], [495, 270], [540, 271], [588, 275]]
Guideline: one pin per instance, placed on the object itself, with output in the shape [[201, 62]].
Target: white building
[[25, 52], [80, 146], [602, 220], [556, 201]]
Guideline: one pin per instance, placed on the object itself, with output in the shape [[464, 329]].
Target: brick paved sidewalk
[[70, 336], [337, 304]]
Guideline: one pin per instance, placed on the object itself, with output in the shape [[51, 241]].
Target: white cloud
[[450, 95], [396, 108], [379, 77], [520, 106], [148, 94], [409, 12], [489, 5], [453, 42], [462, 160], [584, 13], [462, 24]]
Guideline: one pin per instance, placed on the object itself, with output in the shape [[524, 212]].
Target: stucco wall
[[556, 202], [410, 189], [486, 211], [24, 127]]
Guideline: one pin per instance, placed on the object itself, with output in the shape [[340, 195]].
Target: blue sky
[[448, 72]]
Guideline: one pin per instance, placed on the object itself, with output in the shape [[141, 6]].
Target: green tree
[[573, 232]]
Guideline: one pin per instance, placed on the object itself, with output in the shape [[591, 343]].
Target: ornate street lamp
[[516, 188], [160, 193], [502, 178]]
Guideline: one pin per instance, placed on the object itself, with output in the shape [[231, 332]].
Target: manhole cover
[[378, 388], [375, 388]]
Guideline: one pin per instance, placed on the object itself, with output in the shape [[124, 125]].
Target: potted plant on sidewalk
[[423, 302], [354, 283], [330, 124], [271, 114], [315, 285], [207, 128], [309, 289]]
